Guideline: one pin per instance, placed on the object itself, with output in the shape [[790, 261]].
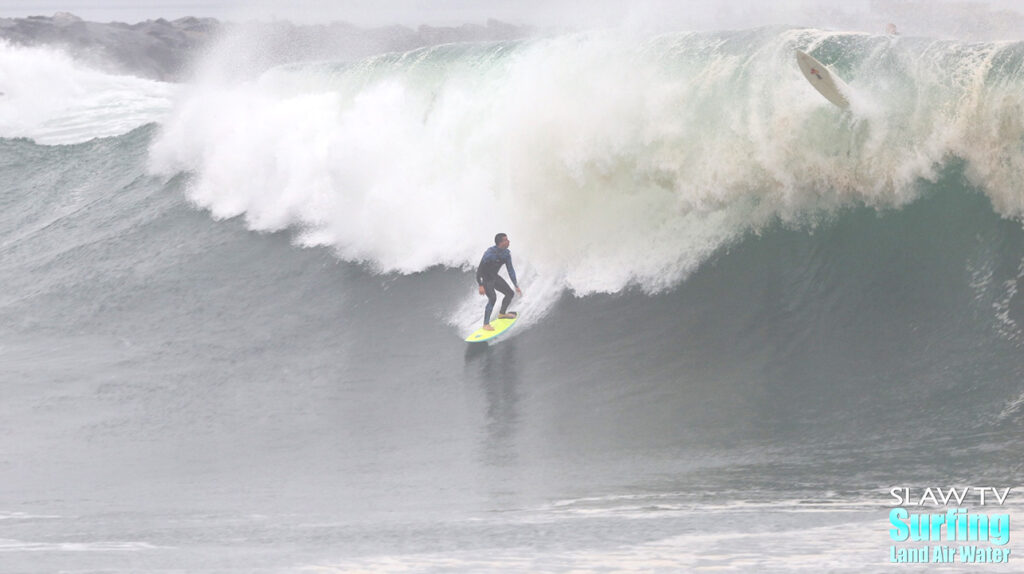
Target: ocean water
[[232, 309]]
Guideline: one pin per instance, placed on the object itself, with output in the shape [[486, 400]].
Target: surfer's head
[[501, 240]]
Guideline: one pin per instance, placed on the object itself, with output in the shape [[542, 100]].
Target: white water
[[610, 161], [52, 99]]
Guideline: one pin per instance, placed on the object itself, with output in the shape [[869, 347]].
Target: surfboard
[[828, 84], [500, 326]]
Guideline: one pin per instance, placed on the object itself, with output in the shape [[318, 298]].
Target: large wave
[[612, 162], [865, 323]]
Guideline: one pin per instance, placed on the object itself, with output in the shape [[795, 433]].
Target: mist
[[965, 20]]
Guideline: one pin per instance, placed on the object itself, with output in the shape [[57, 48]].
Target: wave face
[[734, 292]]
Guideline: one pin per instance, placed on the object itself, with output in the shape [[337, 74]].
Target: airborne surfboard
[[827, 83], [500, 326]]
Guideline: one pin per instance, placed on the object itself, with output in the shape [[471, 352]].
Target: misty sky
[[366, 12], [414, 12], [671, 14]]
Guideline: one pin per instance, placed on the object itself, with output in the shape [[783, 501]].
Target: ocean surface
[[232, 309]]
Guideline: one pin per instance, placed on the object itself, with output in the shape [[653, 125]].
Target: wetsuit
[[487, 276]]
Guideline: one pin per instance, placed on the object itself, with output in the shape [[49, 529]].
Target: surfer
[[489, 281]]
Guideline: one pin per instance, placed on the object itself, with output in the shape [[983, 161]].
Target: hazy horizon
[[696, 13], [995, 19]]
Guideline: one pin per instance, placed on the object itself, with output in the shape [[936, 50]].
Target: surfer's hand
[[519, 291], [482, 290]]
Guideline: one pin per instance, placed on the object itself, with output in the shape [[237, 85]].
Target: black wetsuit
[[487, 276]]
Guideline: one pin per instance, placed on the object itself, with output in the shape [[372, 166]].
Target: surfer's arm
[[480, 272], [480, 276], [511, 271]]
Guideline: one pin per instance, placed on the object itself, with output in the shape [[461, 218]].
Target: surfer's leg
[[502, 286], [491, 298]]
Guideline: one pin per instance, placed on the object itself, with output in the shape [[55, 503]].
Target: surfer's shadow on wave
[[495, 368], [492, 361]]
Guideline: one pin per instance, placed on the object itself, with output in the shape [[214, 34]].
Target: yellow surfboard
[[500, 326]]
